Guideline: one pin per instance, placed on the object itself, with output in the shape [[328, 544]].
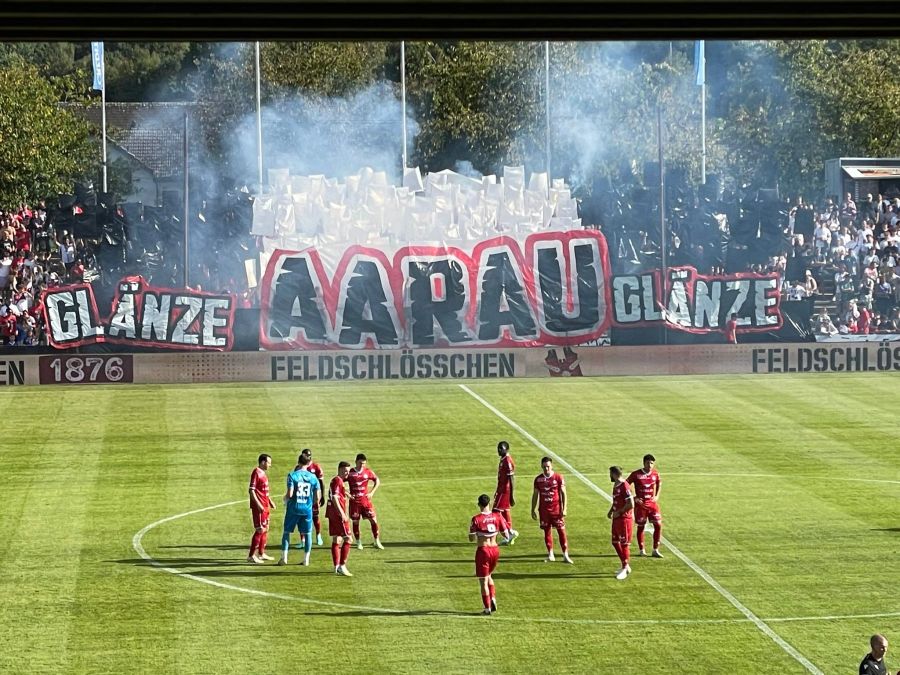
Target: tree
[[43, 148]]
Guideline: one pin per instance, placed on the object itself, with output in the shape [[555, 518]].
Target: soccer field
[[125, 527]]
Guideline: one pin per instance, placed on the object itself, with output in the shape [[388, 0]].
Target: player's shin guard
[[285, 542], [640, 536], [356, 529], [345, 551], [620, 551], [492, 592], [486, 599], [657, 535], [336, 554], [376, 531], [548, 539], [307, 542], [563, 539], [254, 544], [263, 538]]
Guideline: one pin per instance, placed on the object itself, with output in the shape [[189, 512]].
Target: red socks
[[335, 554], [492, 592], [563, 540], [375, 529], [486, 599], [263, 538], [622, 551], [657, 535], [345, 551], [356, 530], [254, 544], [640, 536], [317, 525], [548, 539]]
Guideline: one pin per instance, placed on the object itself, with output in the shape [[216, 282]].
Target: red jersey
[[620, 495], [646, 485], [549, 489], [359, 483], [487, 524], [336, 489], [259, 483], [506, 469]]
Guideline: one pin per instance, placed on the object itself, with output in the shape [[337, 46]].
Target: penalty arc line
[[385, 611], [725, 593]]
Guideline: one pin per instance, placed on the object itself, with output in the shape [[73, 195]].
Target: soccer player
[[339, 520], [504, 497], [361, 499], [302, 492], [484, 528], [260, 507], [621, 514], [550, 492], [316, 470], [647, 484]]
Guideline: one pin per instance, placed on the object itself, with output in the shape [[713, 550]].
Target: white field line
[[381, 611], [136, 543], [737, 604]]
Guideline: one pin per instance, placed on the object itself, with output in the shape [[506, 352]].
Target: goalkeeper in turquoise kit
[[302, 492]]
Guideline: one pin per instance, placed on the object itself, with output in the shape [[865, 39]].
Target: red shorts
[[501, 501], [647, 511], [486, 558], [549, 520], [260, 519], [338, 527], [621, 530], [362, 509]]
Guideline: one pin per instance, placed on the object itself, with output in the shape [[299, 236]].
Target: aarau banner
[[141, 315], [549, 288]]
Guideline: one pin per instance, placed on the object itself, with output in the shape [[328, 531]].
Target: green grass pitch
[[780, 493]]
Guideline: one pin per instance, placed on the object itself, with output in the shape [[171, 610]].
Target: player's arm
[[658, 489], [254, 496], [534, 500], [628, 505], [632, 482], [377, 484], [321, 491], [512, 489], [563, 498], [473, 531]]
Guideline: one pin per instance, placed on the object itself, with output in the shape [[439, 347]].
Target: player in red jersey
[[550, 492], [316, 470], [360, 499], [504, 497], [260, 506], [621, 514], [484, 529], [647, 484], [339, 520]]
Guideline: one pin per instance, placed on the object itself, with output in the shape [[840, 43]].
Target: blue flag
[[700, 62], [99, 68]]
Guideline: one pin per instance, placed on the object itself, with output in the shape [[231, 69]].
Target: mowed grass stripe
[[759, 623]]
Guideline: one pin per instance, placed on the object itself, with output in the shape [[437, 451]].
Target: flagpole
[[403, 99], [259, 148], [662, 215], [703, 131], [103, 124], [187, 226], [547, 107]]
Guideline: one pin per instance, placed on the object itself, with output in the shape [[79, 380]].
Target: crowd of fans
[[854, 250], [34, 256]]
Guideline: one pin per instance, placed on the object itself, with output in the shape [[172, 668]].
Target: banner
[[141, 315], [551, 288], [99, 66]]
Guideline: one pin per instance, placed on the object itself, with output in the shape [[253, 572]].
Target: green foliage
[[43, 148], [476, 101]]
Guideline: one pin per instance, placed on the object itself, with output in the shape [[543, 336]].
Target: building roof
[[153, 133]]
